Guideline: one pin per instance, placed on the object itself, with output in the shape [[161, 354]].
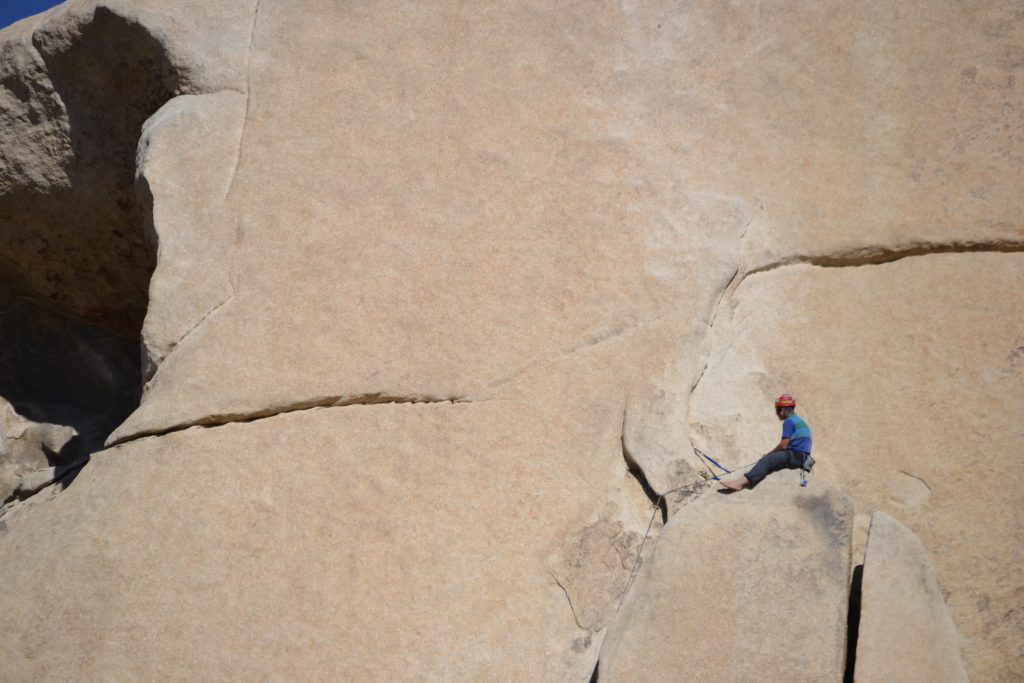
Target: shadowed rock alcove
[[59, 372], [75, 262]]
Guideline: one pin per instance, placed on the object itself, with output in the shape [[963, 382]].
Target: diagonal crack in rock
[[568, 599], [219, 420]]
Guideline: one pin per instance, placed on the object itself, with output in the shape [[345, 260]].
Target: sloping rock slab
[[744, 587], [906, 631], [360, 543]]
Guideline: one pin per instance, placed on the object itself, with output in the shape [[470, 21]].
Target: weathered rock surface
[[910, 376], [529, 206], [406, 543], [744, 587], [186, 159], [464, 225], [431, 144], [906, 631], [76, 85]]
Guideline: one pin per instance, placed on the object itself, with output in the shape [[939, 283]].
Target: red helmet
[[785, 401]]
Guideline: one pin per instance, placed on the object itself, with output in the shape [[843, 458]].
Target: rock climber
[[792, 452]]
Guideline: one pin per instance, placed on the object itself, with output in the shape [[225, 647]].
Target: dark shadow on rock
[[77, 244], [853, 622], [66, 474], [57, 370], [638, 474], [75, 259]]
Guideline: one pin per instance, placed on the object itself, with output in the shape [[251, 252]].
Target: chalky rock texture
[[524, 208], [742, 587], [910, 375], [906, 631]]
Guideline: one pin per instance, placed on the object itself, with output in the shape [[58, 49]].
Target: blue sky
[[13, 10]]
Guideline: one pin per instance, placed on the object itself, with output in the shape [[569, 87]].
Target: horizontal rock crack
[[223, 419], [867, 256], [873, 256]]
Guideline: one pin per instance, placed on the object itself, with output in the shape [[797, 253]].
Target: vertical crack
[[568, 599], [248, 98], [729, 287], [637, 472], [853, 622], [232, 178]]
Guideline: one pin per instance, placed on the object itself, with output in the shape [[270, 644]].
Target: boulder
[[186, 157], [29, 452], [436, 239], [906, 631], [742, 587]]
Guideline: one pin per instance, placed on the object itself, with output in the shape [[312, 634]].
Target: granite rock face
[[742, 587], [908, 374], [906, 631], [460, 268], [409, 543]]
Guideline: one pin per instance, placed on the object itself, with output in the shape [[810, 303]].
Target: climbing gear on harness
[[785, 401]]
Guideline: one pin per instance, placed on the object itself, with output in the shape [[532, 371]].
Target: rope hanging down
[[657, 508], [705, 458]]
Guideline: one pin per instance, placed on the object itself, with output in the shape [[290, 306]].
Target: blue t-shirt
[[798, 433]]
